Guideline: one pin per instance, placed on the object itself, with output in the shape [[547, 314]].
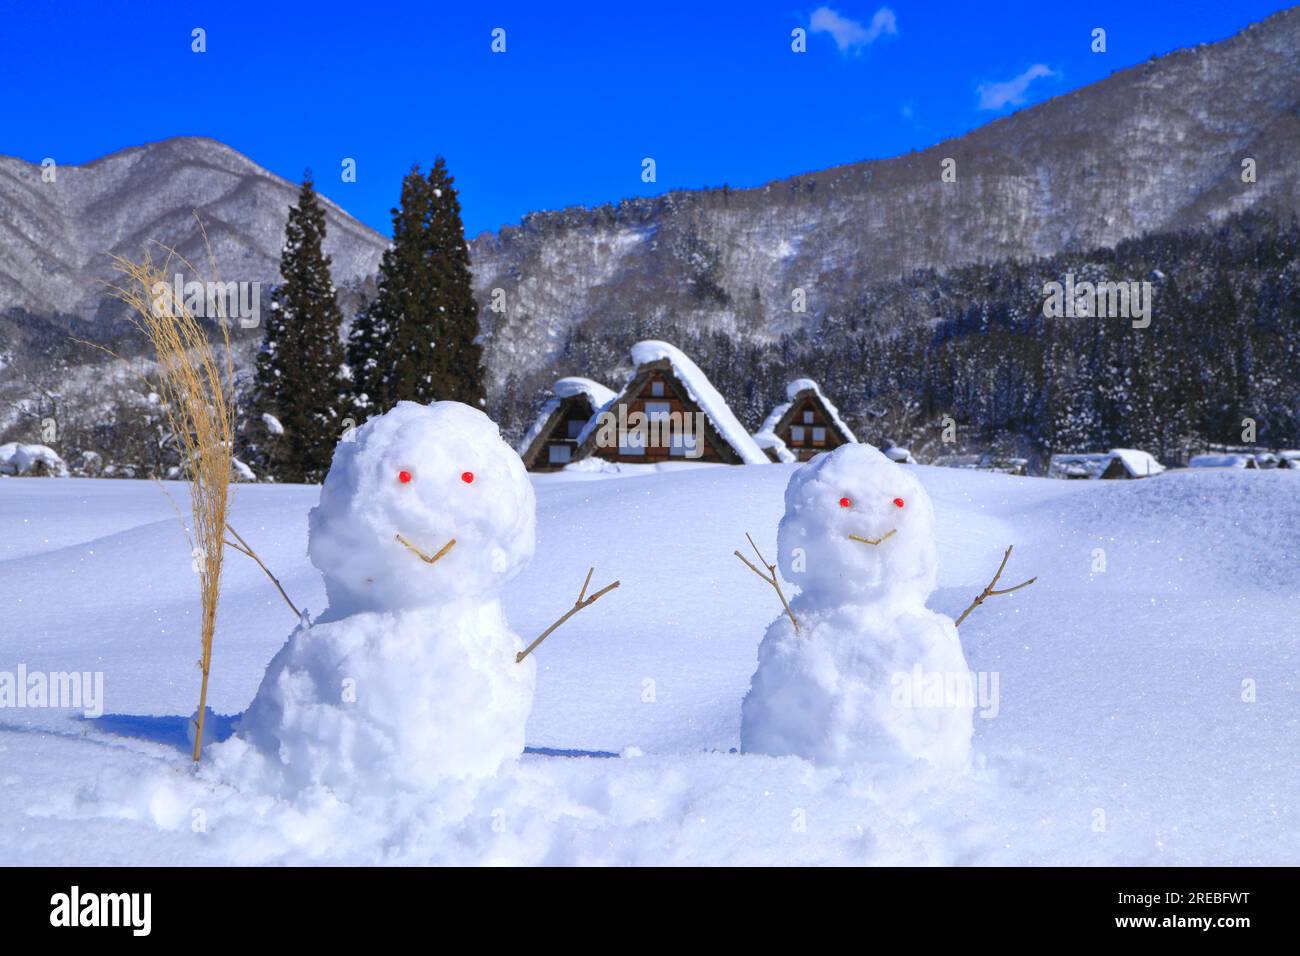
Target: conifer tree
[[461, 356], [417, 340], [298, 379]]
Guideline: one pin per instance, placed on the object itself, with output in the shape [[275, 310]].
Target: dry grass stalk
[[989, 592], [578, 605], [200, 413], [770, 578]]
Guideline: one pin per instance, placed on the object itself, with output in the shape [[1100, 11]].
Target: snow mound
[[20, 459], [379, 701], [1220, 461]]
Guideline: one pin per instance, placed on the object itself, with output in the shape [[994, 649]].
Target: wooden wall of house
[[560, 443], [660, 387], [806, 414]]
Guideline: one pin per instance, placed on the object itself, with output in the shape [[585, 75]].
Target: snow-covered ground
[[1123, 729]]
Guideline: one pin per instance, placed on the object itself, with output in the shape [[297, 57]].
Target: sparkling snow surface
[[1121, 734]]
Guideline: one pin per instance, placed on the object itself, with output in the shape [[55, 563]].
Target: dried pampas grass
[[197, 392]]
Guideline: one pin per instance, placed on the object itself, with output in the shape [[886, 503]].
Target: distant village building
[[1121, 463], [807, 423], [1288, 459], [552, 441], [35, 461], [668, 411], [1222, 461], [996, 464], [899, 454]]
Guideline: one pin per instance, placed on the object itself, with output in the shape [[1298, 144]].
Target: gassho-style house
[[668, 410]]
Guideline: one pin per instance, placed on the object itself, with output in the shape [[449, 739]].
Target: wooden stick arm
[[770, 578], [578, 605], [989, 590]]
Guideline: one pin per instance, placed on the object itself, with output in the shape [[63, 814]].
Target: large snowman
[[858, 539], [410, 677]]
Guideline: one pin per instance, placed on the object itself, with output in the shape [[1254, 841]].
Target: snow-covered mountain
[[56, 237], [1153, 147]]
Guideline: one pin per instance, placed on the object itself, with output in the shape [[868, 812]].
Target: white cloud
[[850, 34], [994, 96]]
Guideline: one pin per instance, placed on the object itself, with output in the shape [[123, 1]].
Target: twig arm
[[770, 578], [244, 548], [751, 567], [989, 591], [578, 605]]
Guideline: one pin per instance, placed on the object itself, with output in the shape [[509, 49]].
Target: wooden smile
[[884, 537], [427, 559]]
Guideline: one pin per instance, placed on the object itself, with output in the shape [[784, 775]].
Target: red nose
[[404, 477], [467, 477], [898, 502], [845, 502]]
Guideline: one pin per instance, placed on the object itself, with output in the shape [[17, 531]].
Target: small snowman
[[858, 537], [412, 675]]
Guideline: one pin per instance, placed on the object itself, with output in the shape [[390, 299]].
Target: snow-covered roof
[[1220, 461], [598, 395], [768, 439], [792, 391], [1078, 466], [1137, 463], [700, 390], [19, 459], [899, 454]]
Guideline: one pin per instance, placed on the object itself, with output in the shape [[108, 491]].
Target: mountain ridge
[[1153, 147]]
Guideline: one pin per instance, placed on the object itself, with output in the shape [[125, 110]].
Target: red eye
[[467, 477], [898, 502], [404, 477], [845, 502]]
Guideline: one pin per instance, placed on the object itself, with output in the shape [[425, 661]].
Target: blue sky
[[583, 93]]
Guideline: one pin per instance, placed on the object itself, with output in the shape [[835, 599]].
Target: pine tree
[[417, 340], [460, 355], [298, 378]]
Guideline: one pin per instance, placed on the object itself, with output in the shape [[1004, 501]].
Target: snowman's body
[[410, 677], [841, 690]]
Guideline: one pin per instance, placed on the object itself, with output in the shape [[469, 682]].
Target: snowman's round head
[[857, 526], [412, 481]]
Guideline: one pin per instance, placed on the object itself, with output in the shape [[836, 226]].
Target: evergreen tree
[[417, 340], [460, 356], [298, 378]]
